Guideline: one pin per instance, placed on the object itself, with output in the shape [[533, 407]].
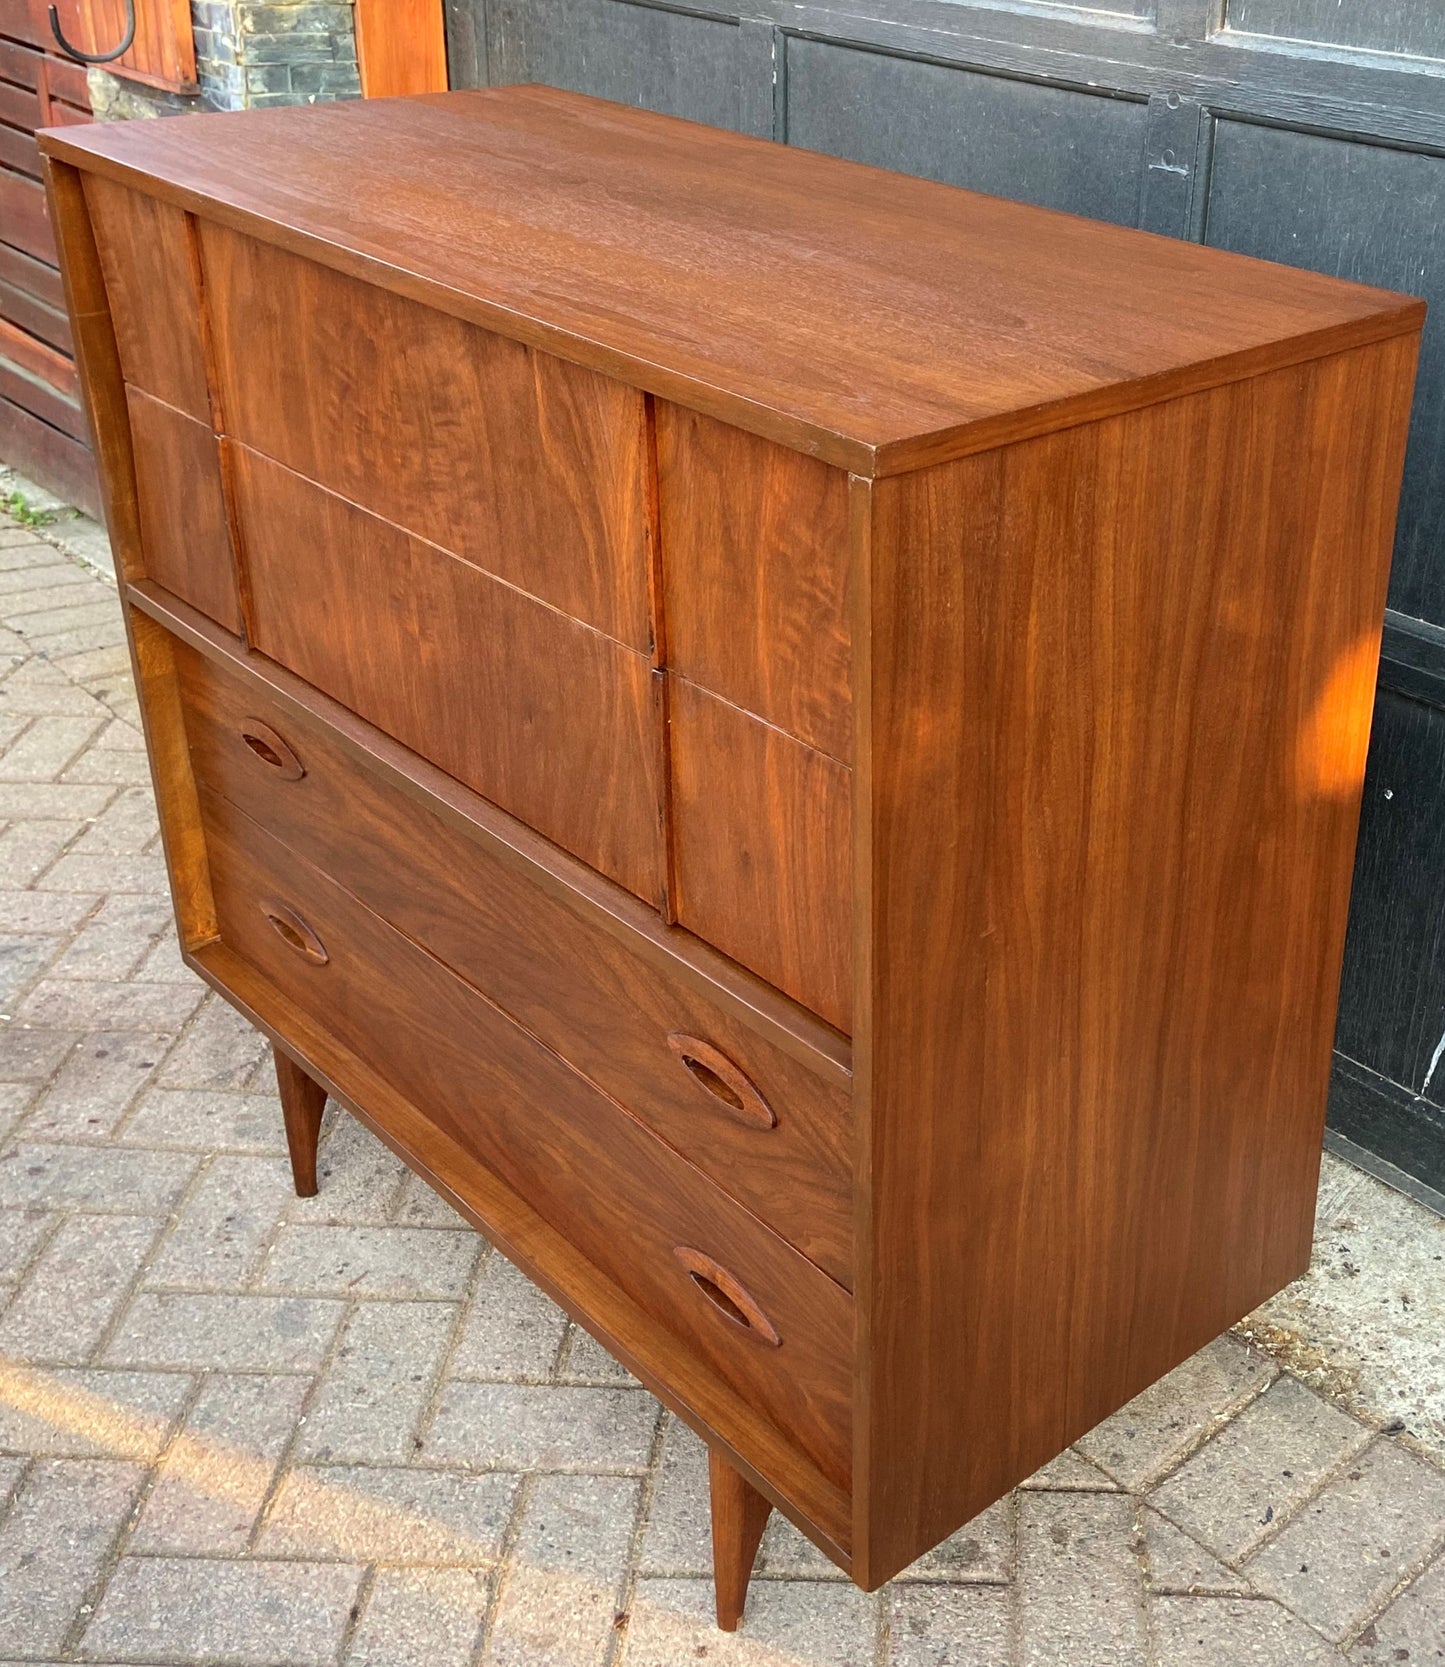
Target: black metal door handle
[[95, 57]]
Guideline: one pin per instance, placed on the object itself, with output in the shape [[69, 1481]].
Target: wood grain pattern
[[303, 1103], [762, 849], [874, 320], [149, 262], [544, 716], [622, 1197], [185, 535], [755, 572], [739, 1516], [1126, 771], [592, 998], [518, 462], [401, 47]]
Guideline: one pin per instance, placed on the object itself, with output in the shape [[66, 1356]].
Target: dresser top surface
[[874, 319]]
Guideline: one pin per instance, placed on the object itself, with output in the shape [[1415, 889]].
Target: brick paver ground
[[239, 1428]]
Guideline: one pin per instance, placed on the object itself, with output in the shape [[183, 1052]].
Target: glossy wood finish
[[148, 254], [762, 847], [544, 716], [627, 1024], [520, 463], [874, 320], [184, 530], [755, 542], [401, 47], [739, 1516], [303, 1103], [1028, 758], [1131, 1100], [623, 1197]]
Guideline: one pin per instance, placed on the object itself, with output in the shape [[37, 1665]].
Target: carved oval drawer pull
[[294, 932], [727, 1296], [717, 1076], [276, 754]]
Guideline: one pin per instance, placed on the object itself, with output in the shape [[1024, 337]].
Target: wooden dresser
[[789, 736]]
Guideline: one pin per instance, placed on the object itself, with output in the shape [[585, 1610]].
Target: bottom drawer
[[760, 1315]]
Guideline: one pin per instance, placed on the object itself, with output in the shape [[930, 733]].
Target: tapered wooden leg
[[739, 1516], [302, 1103]]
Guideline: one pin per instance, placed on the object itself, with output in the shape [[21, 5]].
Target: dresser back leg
[[739, 1516], [302, 1103]]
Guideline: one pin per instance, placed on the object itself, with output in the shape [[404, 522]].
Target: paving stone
[[43, 911], [21, 1230], [200, 1120], [124, 829], [399, 1262], [15, 1100], [360, 1180], [22, 960], [51, 802], [166, 1609], [1235, 1632], [45, 747], [784, 1552], [511, 1331], [100, 763], [219, 1239], [74, 618], [1080, 1581], [368, 1514], [1412, 1629], [949, 1626], [230, 1333], [1148, 1437], [561, 1594], [83, 650], [11, 1471], [1258, 1468], [163, 962], [378, 1383], [507, 1426], [421, 1618], [422, 1206], [83, 1413], [219, 1050], [1175, 1563], [211, 1485], [30, 849], [801, 1623], [87, 1004], [678, 1537], [54, 1542], [584, 1360], [101, 670], [48, 575], [1341, 1557], [114, 940], [1071, 1472], [31, 1053], [144, 873], [74, 1287], [980, 1550], [102, 1178], [97, 1084]]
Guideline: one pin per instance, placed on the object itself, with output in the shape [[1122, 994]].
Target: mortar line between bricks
[[430, 1407], [42, 1244], [1141, 1562], [359, 1605], [646, 1494], [1412, 1573], [85, 823], [1015, 1586], [1217, 1421], [506, 1562]]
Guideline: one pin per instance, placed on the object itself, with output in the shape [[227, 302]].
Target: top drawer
[[522, 464]]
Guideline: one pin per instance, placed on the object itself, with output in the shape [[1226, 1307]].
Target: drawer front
[[756, 1312], [185, 537], [549, 719], [766, 1127], [523, 464], [762, 849], [755, 572], [149, 260]]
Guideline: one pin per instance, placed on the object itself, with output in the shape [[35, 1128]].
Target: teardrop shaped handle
[[728, 1296], [293, 931], [722, 1080], [271, 749]]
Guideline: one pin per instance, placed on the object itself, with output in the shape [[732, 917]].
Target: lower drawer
[[757, 1313], [774, 1132]]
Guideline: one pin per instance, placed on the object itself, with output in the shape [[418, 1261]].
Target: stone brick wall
[[252, 53]]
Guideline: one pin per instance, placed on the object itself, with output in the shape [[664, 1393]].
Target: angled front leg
[[739, 1516], [302, 1103]]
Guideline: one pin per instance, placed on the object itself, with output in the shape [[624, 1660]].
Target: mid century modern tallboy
[[791, 737]]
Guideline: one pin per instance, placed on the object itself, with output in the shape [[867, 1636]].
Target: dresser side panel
[[1119, 696]]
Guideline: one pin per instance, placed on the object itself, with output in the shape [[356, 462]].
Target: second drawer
[[772, 1131]]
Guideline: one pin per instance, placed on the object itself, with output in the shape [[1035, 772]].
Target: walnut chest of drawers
[[791, 737]]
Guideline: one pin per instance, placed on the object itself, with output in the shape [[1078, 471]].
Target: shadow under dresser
[[791, 737]]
